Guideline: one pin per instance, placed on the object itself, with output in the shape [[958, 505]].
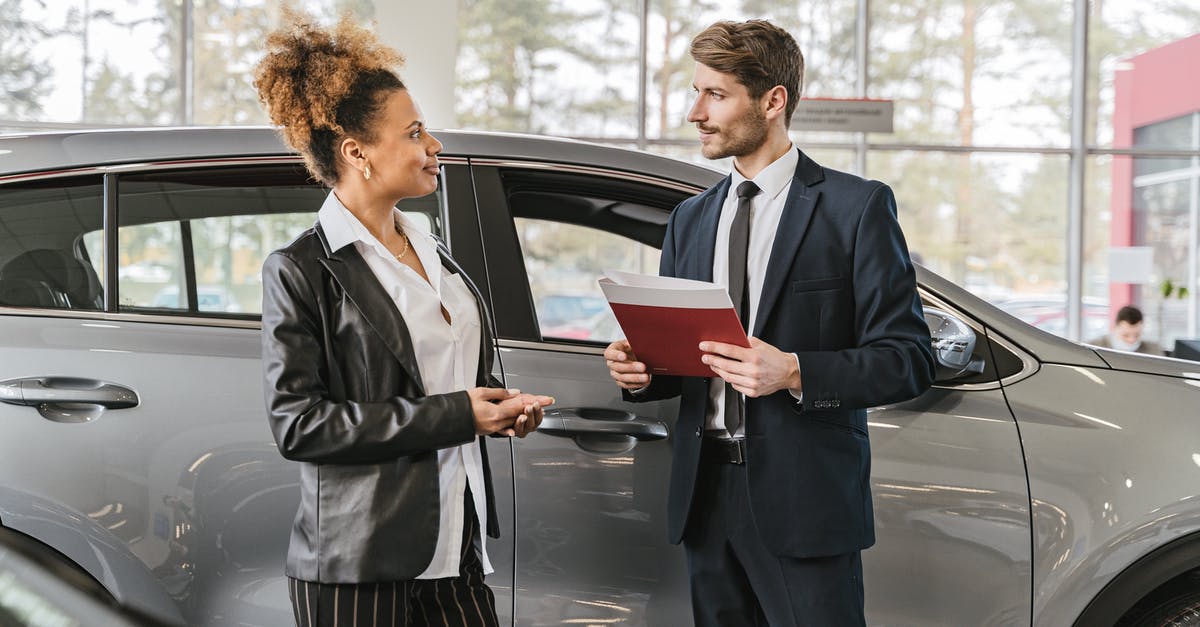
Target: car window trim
[[111, 250], [582, 169], [558, 347], [103, 316], [175, 164]]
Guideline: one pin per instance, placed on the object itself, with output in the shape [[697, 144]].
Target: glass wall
[[981, 154]]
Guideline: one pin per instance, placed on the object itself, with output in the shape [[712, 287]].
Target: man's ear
[[774, 102]]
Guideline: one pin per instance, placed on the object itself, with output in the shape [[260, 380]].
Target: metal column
[[1075, 209]]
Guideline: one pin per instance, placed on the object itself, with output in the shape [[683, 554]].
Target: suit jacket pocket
[[813, 285]]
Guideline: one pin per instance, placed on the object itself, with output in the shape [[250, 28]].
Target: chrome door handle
[[67, 399], [583, 421]]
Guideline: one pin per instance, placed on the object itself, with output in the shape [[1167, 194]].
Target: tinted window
[[563, 262], [194, 241], [573, 227], [44, 259]]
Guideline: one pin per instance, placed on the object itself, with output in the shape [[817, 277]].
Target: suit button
[[699, 432]]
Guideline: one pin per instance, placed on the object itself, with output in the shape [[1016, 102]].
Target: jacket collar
[[710, 215], [361, 287], [359, 284], [798, 211]]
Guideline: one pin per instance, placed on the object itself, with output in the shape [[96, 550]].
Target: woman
[[372, 336]]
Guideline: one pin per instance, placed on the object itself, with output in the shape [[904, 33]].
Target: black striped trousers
[[464, 601]]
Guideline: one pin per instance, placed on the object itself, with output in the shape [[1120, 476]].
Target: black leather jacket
[[345, 399]]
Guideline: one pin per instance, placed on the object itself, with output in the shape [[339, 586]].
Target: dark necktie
[[739, 243]]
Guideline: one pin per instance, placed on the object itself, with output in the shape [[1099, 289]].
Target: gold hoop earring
[[367, 172]]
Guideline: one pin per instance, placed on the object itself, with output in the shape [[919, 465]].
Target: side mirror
[[953, 345]]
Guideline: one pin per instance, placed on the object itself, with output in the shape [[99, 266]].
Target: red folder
[[665, 319]]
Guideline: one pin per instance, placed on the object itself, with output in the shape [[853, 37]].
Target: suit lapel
[[706, 231], [360, 286], [797, 214]]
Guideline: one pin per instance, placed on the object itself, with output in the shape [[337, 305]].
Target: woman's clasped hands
[[507, 412]]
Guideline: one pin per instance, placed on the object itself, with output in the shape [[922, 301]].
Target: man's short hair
[[758, 53], [1129, 314]]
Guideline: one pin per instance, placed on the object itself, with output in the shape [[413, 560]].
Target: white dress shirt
[[766, 208], [448, 354]]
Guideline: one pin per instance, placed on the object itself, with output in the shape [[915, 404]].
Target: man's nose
[[696, 113]]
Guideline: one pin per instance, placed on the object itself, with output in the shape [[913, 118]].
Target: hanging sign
[[843, 114]]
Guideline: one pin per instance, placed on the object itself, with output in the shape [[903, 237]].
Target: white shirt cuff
[[799, 397]]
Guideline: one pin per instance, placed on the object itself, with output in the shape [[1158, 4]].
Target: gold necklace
[[405, 236]]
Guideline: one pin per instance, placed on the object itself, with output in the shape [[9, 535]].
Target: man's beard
[[745, 138]]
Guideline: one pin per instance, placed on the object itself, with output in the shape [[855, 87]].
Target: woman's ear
[[350, 151]]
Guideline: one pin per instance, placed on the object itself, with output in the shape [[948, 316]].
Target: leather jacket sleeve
[[307, 422]]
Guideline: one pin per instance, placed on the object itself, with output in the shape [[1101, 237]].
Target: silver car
[[1039, 482]]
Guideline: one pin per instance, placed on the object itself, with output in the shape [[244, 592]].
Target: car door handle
[[577, 421], [67, 399]]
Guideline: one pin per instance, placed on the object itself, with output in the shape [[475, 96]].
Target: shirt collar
[[774, 178], [342, 228]]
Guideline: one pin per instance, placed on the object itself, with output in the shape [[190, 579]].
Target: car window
[[569, 228], [563, 262], [194, 241], [45, 261]]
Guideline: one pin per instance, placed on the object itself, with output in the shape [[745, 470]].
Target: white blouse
[[448, 354]]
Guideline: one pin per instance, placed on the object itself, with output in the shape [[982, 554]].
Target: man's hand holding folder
[[665, 319], [689, 328]]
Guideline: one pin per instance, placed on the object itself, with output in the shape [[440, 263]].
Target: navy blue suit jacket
[[840, 293]]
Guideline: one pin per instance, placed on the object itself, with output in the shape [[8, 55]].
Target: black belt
[[723, 450]]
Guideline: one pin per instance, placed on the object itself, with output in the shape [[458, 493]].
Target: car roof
[[34, 152]]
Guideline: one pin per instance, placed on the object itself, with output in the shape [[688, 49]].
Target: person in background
[[377, 353], [1126, 334]]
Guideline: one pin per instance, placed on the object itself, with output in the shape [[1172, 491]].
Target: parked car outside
[[1038, 482], [567, 309], [208, 298], [1049, 313]]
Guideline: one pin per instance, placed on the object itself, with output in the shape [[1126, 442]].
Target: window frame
[[110, 177], [77, 246], [518, 327]]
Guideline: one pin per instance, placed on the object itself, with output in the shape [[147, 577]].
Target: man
[[770, 485], [1127, 334]]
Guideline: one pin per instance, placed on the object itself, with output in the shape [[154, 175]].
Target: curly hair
[[321, 85], [760, 54]]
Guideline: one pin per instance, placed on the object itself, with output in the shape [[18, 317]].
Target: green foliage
[[509, 50], [1170, 289], [24, 76], [228, 39]]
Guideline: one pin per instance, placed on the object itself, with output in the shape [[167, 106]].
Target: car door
[[591, 484], [952, 505], [179, 477], [952, 509]]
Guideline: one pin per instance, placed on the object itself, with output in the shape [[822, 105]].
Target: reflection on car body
[[1055, 477]]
